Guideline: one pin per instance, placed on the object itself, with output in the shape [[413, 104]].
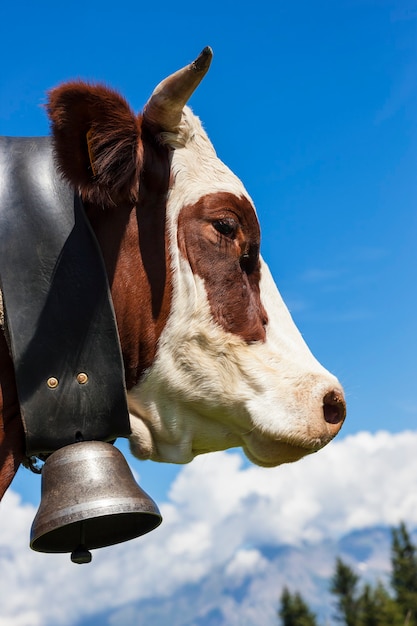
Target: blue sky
[[313, 105]]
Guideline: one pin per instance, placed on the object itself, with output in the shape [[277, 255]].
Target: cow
[[212, 359]]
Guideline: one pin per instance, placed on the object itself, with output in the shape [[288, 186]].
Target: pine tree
[[344, 587], [294, 611], [369, 612], [404, 574], [377, 608]]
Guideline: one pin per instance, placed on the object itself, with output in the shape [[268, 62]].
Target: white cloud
[[219, 512], [245, 563]]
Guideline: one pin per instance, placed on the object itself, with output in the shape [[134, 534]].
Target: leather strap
[[58, 309]]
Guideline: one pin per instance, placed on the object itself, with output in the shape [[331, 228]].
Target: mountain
[[246, 591]]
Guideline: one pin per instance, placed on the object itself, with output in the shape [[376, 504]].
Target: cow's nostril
[[334, 407]]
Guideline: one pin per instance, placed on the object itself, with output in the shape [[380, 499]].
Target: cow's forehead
[[196, 169]]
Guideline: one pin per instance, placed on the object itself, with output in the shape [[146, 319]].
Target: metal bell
[[89, 500]]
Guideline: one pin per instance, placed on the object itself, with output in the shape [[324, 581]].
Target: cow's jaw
[[208, 390]]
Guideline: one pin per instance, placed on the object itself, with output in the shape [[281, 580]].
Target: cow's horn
[[165, 105]]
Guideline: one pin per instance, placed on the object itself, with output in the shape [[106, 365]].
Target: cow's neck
[[135, 252]]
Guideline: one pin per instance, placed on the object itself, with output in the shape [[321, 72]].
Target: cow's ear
[[97, 141]]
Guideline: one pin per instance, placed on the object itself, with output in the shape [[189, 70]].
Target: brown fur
[[229, 264], [77, 109], [133, 242]]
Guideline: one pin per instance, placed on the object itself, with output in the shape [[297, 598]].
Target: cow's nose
[[334, 408]]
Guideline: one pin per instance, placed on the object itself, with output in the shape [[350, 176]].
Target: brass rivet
[[52, 382], [82, 378]]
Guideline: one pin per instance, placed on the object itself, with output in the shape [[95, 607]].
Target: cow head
[[213, 359]]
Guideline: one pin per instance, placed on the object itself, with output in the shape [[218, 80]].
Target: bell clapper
[[81, 555]]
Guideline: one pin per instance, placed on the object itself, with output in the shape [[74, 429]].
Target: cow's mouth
[[271, 453]]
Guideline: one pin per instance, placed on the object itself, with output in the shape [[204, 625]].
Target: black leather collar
[[58, 310]]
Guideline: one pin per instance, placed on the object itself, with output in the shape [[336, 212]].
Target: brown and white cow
[[212, 357]]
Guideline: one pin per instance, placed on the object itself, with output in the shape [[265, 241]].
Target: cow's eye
[[226, 227]]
